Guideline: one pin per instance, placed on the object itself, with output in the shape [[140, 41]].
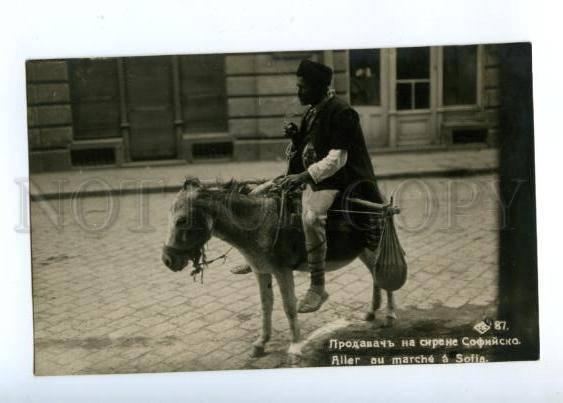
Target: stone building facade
[[141, 110]]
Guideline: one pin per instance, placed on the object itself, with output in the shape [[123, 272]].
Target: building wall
[[260, 94], [49, 115], [491, 91]]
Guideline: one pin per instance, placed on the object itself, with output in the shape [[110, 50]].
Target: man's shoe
[[241, 269], [312, 301]]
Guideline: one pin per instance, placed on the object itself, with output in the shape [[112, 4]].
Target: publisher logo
[[482, 327]]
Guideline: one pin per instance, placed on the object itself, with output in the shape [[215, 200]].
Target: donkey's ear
[[191, 182]]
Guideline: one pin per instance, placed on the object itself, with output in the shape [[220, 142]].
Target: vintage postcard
[[349, 207]]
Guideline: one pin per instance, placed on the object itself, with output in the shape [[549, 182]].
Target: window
[[460, 75], [364, 77], [95, 98], [413, 78], [150, 107], [204, 105]]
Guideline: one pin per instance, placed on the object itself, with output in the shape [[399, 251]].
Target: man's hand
[[290, 130], [292, 181]]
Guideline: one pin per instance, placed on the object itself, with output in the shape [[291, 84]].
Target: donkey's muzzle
[[174, 262]]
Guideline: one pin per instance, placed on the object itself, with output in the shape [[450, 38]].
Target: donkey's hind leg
[[391, 314], [368, 258], [267, 301]]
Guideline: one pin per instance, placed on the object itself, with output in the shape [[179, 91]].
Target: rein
[[281, 216], [200, 262]]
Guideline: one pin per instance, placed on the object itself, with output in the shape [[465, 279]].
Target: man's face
[[308, 94]]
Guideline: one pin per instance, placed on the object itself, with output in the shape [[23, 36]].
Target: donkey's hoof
[[369, 316], [257, 351], [294, 360]]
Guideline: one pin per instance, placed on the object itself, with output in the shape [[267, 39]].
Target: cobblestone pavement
[[104, 302]]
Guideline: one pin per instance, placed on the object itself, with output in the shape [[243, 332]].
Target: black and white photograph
[[351, 207], [294, 201]]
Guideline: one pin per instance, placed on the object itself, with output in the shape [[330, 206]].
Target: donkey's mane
[[221, 187], [218, 189], [237, 194], [233, 186], [228, 199]]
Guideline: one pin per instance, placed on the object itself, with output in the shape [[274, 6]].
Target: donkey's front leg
[[287, 290], [267, 300]]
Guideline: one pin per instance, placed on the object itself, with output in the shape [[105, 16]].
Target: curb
[[448, 173]]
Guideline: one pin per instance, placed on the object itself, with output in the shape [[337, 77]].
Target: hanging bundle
[[391, 265]]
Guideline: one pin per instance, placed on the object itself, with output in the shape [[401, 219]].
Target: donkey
[[250, 224]]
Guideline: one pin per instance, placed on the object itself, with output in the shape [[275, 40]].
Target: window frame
[[183, 90], [412, 82], [479, 83], [380, 80], [77, 101]]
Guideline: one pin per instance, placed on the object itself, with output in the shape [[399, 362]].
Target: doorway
[[413, 81]]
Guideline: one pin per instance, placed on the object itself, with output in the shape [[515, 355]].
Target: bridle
[[197, 255], [192, 252], [182, 252]]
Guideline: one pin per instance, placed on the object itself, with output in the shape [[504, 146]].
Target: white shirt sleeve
[[328, 166]]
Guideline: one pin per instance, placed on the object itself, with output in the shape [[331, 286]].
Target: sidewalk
[[96, 182]]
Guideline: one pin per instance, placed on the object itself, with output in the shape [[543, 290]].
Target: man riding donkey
[[328, 155]]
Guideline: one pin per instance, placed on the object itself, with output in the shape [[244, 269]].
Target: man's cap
[[315, 73]]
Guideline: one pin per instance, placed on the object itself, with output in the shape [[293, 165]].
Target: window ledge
[[453, 108], [410, 112]]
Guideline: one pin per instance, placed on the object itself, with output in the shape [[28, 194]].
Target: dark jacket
[[337, 126]]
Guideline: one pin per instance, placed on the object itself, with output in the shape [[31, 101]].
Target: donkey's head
[[190, 227]]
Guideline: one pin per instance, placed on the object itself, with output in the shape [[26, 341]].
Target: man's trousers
[[314, 215]]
